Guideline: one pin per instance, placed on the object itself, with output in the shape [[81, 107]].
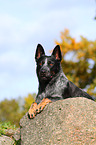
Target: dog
[[53, 84]]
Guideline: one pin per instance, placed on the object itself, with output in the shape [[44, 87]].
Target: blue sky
[[24, 24]]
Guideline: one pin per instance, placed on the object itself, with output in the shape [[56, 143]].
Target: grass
[[6, 126]]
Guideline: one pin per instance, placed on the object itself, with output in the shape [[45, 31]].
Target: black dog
[[53, 84]]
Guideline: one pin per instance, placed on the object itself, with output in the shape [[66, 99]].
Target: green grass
[[5, 126]]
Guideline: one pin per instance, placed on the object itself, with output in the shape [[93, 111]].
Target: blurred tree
[[95, 12], [13, 110], [79, 61], [28, 101], [9, 111]]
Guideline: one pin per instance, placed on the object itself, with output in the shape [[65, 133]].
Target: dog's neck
[[44, 84]]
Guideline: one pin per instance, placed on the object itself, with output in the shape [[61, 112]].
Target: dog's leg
[[42, 104], [32, 110]]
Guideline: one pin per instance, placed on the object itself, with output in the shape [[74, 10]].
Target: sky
[[24, 24]]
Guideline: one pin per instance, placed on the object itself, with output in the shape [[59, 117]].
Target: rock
[[9, 132], [5, 140], [71, 121], [16, 135]]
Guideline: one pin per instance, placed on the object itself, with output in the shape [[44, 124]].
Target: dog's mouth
[[45, 76]]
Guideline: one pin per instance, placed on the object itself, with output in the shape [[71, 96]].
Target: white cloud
[[36, 22], [14, 31]]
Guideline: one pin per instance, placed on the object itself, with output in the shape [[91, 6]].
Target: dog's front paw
[[42, 105], [32, 110], [35, 109]]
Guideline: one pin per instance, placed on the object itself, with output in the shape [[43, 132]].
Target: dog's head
[[47, 66]]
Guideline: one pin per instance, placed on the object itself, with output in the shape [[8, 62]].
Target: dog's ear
[[57, 53], [39, 52]]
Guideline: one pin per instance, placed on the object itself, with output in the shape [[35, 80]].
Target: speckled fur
[[59, 87]]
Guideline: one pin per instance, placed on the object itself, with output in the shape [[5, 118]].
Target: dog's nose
[[43, 72]]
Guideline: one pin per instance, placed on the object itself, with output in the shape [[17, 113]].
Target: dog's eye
[[50, 63], [40, 63]]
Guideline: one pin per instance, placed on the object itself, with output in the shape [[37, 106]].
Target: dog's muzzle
[[44, 74]]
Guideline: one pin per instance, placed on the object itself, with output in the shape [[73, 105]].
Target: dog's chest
[[56, 87], [55, 90]]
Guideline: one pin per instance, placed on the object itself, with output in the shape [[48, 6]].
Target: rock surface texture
[[5, 140], [66, 122]]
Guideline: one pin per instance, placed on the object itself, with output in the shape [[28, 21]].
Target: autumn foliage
[[79, 61], [13, 110], [79, 65]]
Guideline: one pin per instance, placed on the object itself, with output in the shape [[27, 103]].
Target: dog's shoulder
[[59, 81]]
